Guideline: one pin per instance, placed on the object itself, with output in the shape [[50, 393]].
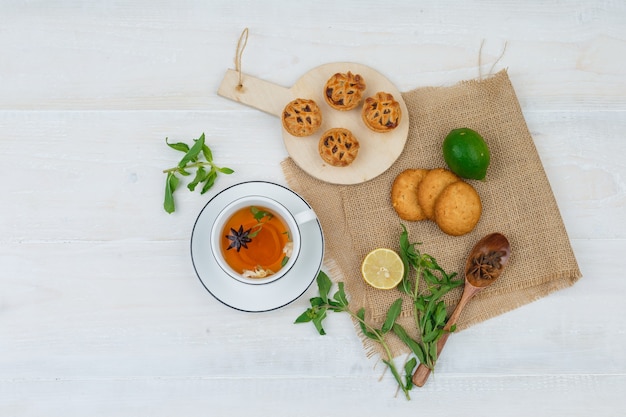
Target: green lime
[[466, 153]]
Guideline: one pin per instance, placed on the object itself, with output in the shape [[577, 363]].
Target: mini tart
[[302, 117], [343, 91], [381, 113], [338, 147]]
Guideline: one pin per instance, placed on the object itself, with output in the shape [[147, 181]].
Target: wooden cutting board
[[378, 151]]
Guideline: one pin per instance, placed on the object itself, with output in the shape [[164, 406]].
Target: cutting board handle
[[254, 92]]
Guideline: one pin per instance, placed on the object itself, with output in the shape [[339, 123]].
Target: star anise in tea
[[486, 264], [238, 238]]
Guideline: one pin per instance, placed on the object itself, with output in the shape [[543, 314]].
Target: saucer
[[258, 297]]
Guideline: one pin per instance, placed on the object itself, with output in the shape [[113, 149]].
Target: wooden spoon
[[483, 266]]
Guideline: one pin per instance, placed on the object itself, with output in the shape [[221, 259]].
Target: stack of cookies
[[438, 195], [343, 92]]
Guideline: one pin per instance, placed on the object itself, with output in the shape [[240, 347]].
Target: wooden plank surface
[[100, 309]]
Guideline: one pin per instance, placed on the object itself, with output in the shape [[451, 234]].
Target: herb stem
[[416, 314], [189, 161], [381, 339], [427, 289], [194, 165], [339, 303]]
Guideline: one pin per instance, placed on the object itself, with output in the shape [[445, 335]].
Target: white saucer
[[249, 297]]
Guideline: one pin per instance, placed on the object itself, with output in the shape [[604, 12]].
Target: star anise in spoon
[[238, 238], [486, 265]]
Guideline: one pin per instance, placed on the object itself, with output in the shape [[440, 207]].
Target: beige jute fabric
[[516, 196]]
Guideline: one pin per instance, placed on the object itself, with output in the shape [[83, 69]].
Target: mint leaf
[[323, 284], [179, 146], [392, 315], [209, 181], [208, 155], [171, 182], [193, 152], [225, 170], [201, 175], [340, 296]]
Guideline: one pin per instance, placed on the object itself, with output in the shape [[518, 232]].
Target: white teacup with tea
[[256, 240]]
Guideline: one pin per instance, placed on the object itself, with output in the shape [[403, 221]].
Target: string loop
[[480, 55], [241, 45]]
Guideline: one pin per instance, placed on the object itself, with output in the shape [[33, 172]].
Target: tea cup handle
[[305, 216]]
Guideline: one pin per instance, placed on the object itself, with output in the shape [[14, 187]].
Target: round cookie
[[343, 91], [381, 113], [302, 117], [431, 186], [338, 147], [404, 194], [458, 209]]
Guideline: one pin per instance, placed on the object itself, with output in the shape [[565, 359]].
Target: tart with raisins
[[343, 91], [381, 113], [338, 147], [302, 117]]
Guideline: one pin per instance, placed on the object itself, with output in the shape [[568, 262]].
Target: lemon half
[[382, 268]]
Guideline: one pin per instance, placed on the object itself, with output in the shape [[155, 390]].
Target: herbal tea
[[256, 242]]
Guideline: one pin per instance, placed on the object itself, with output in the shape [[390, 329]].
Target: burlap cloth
[[517, 201]]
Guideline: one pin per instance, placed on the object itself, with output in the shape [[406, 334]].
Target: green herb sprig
[[429, 309], [426, 288], [206, 171], [259, 215], [339, 303]]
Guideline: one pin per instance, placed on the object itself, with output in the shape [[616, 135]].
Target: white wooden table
[[101, 313]]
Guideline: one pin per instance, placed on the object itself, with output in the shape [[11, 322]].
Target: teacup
[[257, 240]]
